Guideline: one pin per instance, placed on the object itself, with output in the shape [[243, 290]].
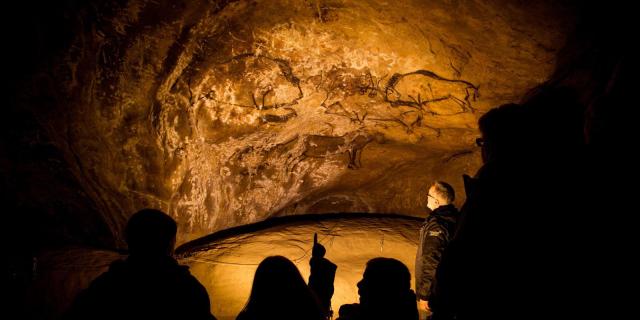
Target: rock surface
[[224, 113], [225, 262], [226, 265]]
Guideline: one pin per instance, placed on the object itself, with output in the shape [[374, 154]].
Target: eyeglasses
[[480, 142]]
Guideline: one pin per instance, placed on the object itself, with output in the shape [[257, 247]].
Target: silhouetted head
[[151, 232], [280, 292], [556, 116], [385, 284], [504, 131], [440, 194]]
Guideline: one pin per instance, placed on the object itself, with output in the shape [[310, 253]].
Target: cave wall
[[224, 113], [228, 112]]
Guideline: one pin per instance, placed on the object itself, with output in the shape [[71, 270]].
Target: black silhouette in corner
[[515, 243], [149, 284]]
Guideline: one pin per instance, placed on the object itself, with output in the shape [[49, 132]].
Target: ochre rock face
[[225, 113], [226, 266]]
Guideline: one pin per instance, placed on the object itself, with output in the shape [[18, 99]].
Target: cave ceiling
[[224, 113]]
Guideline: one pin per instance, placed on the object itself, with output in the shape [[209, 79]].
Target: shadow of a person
[[149, 284], [385, 293], [279, 292]]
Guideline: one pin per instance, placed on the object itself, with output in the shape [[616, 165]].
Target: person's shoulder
[[437, 218], [450, 211], [183, 272], [118, 269], [242, 315], [104, 285], [189, 280], [349, 312]]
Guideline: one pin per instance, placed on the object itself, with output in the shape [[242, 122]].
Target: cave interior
[[256, 123]]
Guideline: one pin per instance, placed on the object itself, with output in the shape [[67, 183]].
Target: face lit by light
[[432, 201]]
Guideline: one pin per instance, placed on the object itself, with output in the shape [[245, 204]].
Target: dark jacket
[[435, 234], [137, 288]]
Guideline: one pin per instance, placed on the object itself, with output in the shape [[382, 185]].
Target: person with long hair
[[280, 292]]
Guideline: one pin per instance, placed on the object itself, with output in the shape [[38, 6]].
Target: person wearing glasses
[[435, 234]]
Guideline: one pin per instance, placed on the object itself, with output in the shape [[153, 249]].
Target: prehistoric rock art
[[231, 112]]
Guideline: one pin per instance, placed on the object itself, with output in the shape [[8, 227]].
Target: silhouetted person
[[435, 234], [149, 284], [279, 292], [385, 293], [508, 258], [323, 273]]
